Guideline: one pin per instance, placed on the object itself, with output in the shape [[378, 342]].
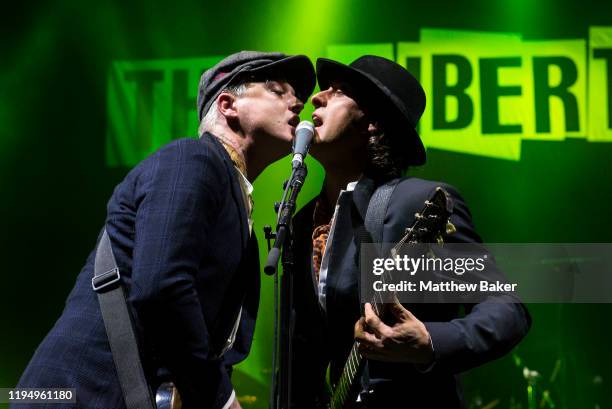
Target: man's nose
[[296, 106], [318, 99]]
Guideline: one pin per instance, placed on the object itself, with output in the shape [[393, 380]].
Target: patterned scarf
[[238, 159], [234, 152], [322, 224]]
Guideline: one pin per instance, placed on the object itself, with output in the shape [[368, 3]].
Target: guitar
[[168, 397], [429, 225]]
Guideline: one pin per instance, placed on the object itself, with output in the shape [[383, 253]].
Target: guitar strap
[[377, 209], [119, 328], [370, 230]]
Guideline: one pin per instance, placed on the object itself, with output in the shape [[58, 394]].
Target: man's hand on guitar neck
[[407, 340]]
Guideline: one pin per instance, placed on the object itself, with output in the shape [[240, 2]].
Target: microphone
[[301, 143]]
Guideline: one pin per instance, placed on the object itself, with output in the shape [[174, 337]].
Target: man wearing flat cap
[[179, 226], [365, 119]]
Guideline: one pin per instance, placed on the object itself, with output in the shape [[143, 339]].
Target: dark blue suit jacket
[[487, 331], [179, 231]]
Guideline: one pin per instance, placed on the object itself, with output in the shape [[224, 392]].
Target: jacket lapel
[[361, 197], [352, 207]]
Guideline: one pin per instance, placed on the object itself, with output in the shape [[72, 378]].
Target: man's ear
[[226, 104]]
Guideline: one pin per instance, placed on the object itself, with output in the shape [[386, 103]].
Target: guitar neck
[[348, 386]]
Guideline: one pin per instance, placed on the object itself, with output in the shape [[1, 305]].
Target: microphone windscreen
[[303, 137]]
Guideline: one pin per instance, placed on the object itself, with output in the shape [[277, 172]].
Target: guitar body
[[167, 397]]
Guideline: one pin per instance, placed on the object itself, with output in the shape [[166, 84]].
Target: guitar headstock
[[431, 223]]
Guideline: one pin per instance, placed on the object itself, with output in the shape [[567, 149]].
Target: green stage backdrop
[[518, 118]]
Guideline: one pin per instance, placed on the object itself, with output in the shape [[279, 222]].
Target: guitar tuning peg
[[418, 216], [439, 239], [450, 228]]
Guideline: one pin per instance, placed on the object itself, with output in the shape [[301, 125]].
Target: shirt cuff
[[425, 368], [230, 400]]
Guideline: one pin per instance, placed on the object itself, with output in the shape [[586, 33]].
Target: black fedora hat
[[385, 87]]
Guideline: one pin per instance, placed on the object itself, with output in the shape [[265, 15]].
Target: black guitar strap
[[119, 328], [370, 230], [377, 209]]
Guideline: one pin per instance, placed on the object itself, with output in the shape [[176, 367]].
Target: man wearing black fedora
[[365, 119], [185, 256]]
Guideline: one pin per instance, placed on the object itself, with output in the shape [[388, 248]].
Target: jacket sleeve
[[491, 328], [177, 197]]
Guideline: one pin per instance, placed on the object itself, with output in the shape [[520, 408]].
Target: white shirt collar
[[245, 181]]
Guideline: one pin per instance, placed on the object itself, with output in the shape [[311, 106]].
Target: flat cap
[[297, 70]]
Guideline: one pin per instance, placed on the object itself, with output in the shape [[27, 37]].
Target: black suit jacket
[[487, 331], [179, 231]]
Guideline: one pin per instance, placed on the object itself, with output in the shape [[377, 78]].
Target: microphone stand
[[281, 398]]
